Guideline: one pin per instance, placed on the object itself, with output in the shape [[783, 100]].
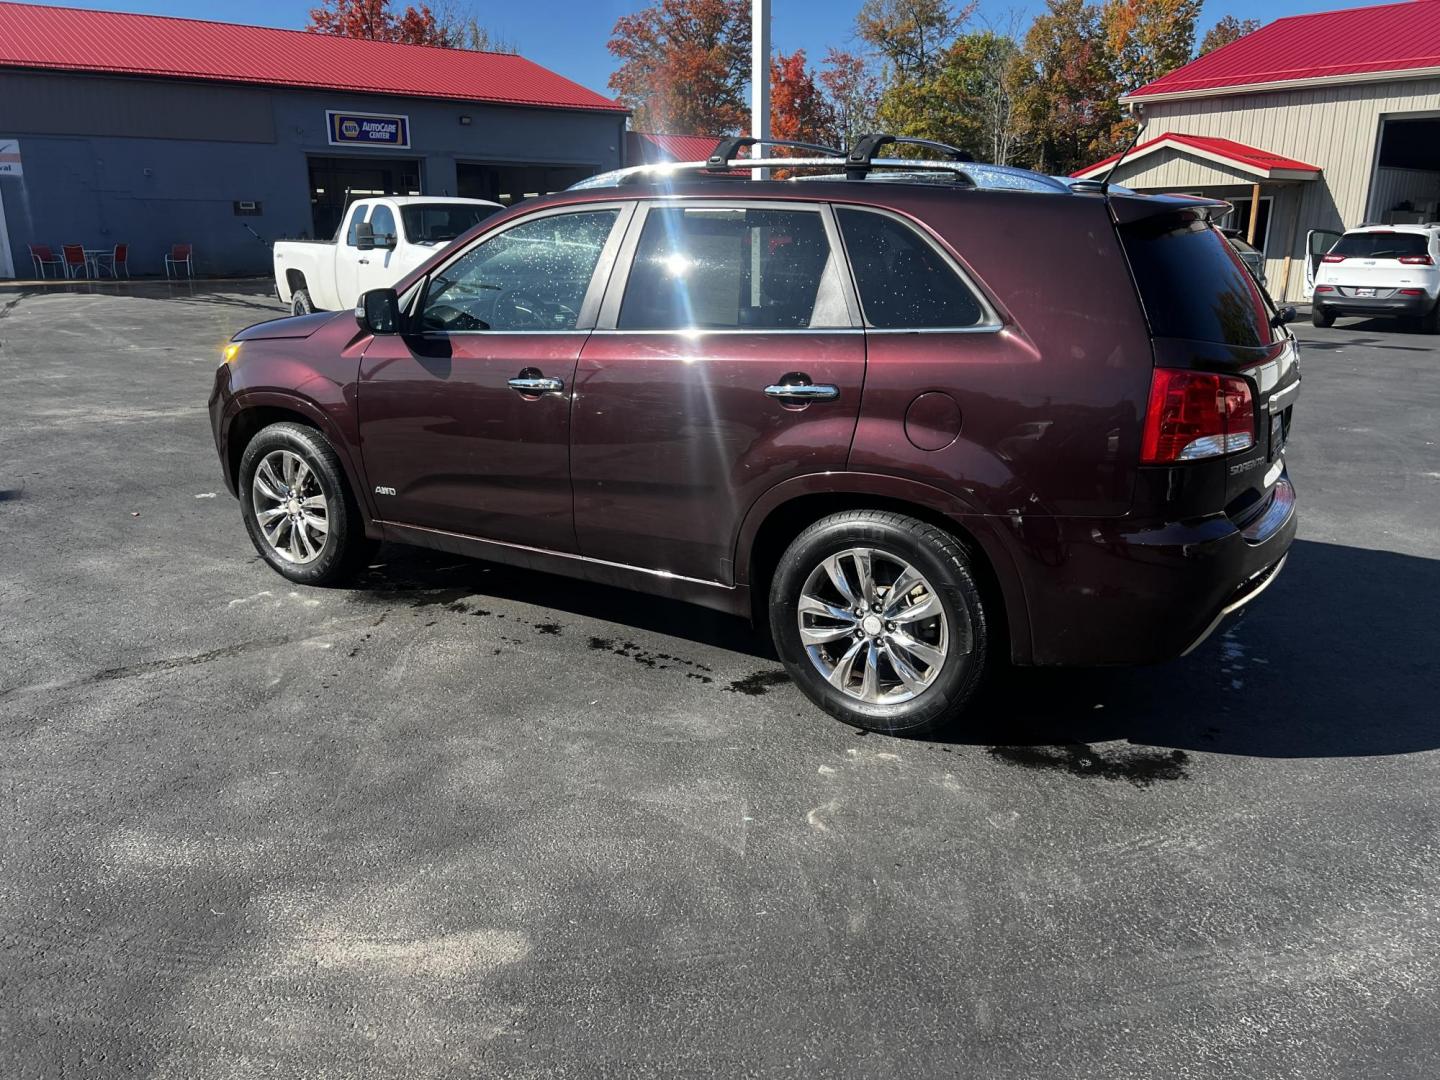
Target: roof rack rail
[[728, 148], [862, 154]]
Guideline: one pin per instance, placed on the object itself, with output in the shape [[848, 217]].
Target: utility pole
[[760, 78]]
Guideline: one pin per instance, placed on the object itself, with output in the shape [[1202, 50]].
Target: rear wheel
[[1430, 323], [298, 508], [1319, 316], [300, 303], [878, 619]]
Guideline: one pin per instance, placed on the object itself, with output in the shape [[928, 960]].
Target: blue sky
[[569, 35]]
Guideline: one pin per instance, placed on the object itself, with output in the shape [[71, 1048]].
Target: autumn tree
[[684, 65], [1225, 31], [375, 21], [911, 35], [798, 109], [1148, 38], [852, 96], [1065, 89]]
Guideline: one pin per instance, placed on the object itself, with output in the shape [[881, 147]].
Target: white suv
[[1381, 270]]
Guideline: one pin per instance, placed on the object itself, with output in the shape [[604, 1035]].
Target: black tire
[[1430, 323], [945, 565], [345, 546], [300, 303], [1321, 317]]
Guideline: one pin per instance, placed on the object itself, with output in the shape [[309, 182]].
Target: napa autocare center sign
[[368, 129], [10, 157]]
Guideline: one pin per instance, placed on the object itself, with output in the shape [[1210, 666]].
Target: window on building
[[1239, 218], [728, 269], [904, 282]]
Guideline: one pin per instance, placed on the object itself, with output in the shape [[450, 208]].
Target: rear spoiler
[[1133, 207]]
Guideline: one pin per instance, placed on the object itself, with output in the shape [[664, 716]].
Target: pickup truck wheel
[[878, 619], [300, 303], [298, 508]]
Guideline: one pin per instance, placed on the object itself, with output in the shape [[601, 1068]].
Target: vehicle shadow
[[419, 577], [1337, 659]]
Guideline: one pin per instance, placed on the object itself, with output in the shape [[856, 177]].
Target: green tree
[[684, 65], [965, 101], [911, 35], [1065, 92], [1225, 31]]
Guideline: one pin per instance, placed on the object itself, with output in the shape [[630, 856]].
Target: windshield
[[439, 223], [1379, 245]]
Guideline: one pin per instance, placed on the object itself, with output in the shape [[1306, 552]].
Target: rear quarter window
[[904, 283], [1193, 284]]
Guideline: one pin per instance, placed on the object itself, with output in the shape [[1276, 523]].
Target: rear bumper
[[1129, 593], [1362, 305]]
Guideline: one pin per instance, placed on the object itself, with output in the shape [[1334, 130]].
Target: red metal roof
[[1331, 45], [654, 147], [1250, 158], [72, 39]]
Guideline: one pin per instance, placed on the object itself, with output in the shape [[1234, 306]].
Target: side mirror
[[378, 311], [1285, 315], [365, 236]]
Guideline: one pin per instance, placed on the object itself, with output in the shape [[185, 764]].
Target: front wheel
[[298, 509], [1320, 317], [878, 619]]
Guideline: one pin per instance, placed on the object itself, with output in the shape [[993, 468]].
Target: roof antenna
[[1137, 110]]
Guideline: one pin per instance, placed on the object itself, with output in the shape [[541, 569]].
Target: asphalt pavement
[[461, 820]]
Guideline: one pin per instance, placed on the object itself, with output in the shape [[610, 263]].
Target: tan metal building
[[1312, 124]]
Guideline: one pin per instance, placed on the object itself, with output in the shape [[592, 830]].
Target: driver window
[[533, 276], [383, 222], [356, 216]]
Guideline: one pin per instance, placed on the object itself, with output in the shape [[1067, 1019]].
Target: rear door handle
[[803, 392], [536, 384]]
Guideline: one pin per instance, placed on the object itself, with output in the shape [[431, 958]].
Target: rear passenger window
[[711, 268], [904, 283]]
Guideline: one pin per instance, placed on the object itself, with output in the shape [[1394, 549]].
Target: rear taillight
[[1333, 258], [1417, 260], [1196, 414]]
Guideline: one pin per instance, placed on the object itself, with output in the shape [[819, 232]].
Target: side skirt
[[730, 599]]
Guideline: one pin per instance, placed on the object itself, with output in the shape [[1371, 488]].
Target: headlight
[[231, 352]]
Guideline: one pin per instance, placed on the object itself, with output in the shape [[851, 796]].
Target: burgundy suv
[[922, 415]]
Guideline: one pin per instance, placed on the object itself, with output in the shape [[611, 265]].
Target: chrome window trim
[[990, 321], [609, 317], [604, 265]]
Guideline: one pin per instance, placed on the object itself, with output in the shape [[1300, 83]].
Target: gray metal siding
[[99, 169]]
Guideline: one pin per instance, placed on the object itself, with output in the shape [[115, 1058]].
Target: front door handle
[[531, 381], [803, 392]]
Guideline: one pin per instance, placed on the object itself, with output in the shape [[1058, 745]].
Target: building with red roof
[[1310, 125], [148, 131]]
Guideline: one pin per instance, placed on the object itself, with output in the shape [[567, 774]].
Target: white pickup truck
[[379, 241]]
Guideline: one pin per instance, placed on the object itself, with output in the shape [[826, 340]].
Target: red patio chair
[[42, 256], [75, 263], [180, 255], [114, 261]]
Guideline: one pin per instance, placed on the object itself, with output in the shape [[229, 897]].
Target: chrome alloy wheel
[[290, 506], [874, 627]]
